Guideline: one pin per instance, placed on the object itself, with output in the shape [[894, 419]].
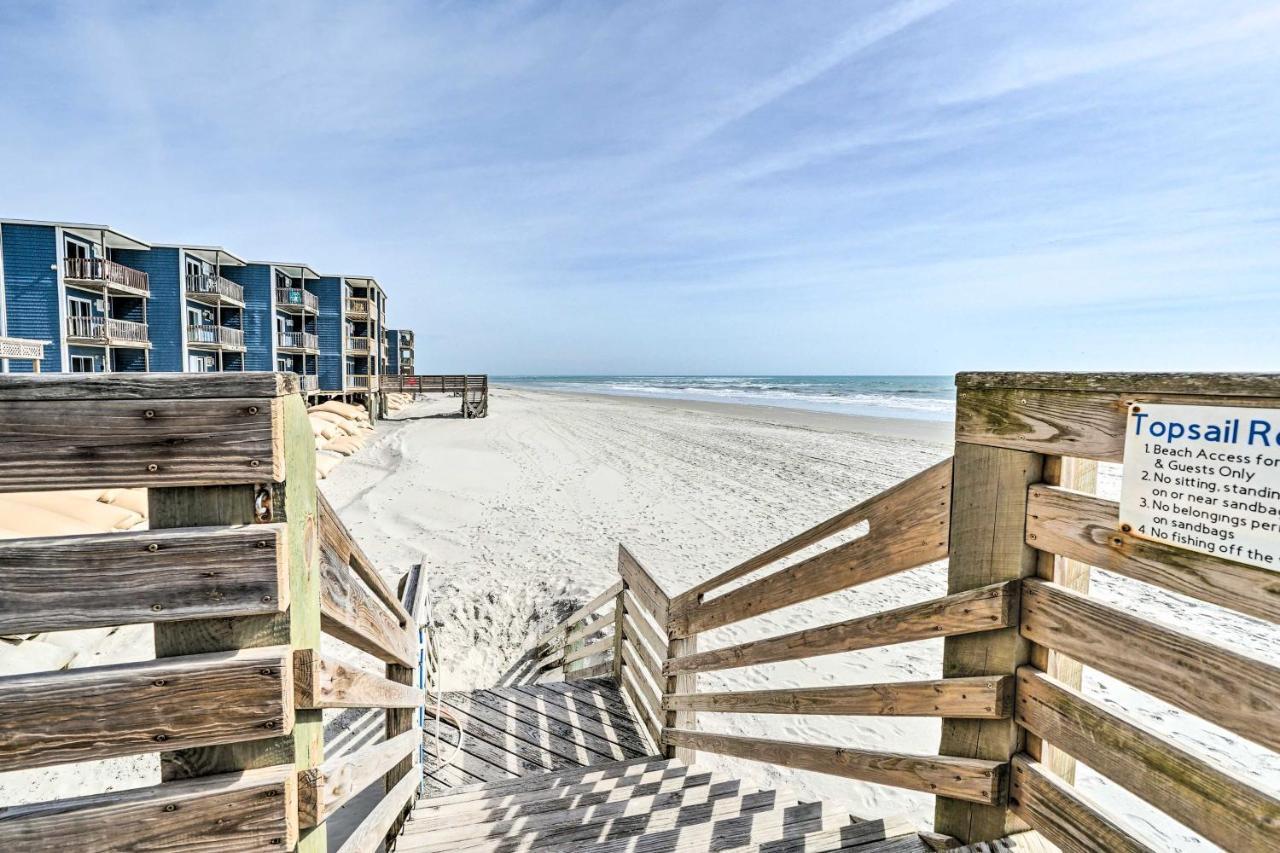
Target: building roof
[[293, 270], [212, 254], [104, 234], [362, 281]]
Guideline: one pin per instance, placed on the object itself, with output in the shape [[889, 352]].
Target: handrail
[[297, 297], [108, 273], [107, 329], [216, 335], [208, 284], [298, 340]]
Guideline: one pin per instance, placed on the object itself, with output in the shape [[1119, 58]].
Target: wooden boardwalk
[[565, 766]]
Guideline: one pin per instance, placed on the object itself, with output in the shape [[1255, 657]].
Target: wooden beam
[[335, 537], [597, 648], [644, 625], [1087, 528], [374, 829], [292, 503], [644, 588], [1218, 384], [908, 528], [1063, 815], [100, 387], [351, 613], [978, 610], [1221, 807], [969, 779], [582, 612], [325, 789], [597, 671], [124, 443], [831, 526], [644, 683], [988, 520], [249, 811], [1234, 691], [645, 655], [322, 682], [595, 626], [979, 697], [61, 583], [125, 709]]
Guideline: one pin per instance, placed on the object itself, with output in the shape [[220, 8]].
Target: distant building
[[280, 319], [400, 351], [64, 283]]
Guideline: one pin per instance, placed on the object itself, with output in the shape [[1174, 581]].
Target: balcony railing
[[27, 349], [355, 381], [296, 299], [310, 382], [221, 336], [214, 288], [357, 306], [106, 273], [357, 344], [107, 330], [298, 340]]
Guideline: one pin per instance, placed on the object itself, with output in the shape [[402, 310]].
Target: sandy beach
[[518, 517]]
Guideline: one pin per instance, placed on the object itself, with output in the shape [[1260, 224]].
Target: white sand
[[518, 517]]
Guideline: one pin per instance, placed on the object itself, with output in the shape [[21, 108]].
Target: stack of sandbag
[[340, 429], [397, 401], [72, 512]]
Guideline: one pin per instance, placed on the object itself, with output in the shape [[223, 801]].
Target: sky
[[734, 187]]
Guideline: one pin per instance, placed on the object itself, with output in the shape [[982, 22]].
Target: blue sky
[[666, 187]]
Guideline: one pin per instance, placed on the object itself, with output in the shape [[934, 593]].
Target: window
[[194, 316], [194, 266], [82, 364], [76, 249], [284, 365], [201, 363]]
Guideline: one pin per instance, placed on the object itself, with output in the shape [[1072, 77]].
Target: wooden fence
[[243, 568], [1013, 513]]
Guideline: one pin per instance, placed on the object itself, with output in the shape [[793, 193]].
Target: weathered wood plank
[[567, 710], [908, 527], [1236, 692], [831, 526], [540, 730], [969, 779], [978, 697], [249, 811], [597, 648], [634, 640], [118, 443], [351, 613], [60, 583], [983, 609], [595, 626], [581, 613], [325, 789], [125, 709], [1085, 424], [655, 637], [371, 832], [485, 791], [1224, 809], [335, 538], [1217, 384], [643, 586], [597, 671], [643, 684], [988, 517], [321, 682], [1062, 815], [99, 387], [1087, 528]]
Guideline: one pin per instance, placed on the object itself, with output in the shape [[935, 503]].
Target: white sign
[[1204, 478]]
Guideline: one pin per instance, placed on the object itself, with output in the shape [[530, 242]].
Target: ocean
[[923, 397]]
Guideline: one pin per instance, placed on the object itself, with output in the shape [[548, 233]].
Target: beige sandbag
[[326, 462], [326, 415], [132, 499], [102, 517], [346, 445], [322, 428], [321, 441], [347, 410], [29, 520]]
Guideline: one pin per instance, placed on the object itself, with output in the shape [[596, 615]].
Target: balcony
[[214, 290], [108, 275], [357, 344], [357, 307], [107, 331], [358, 382], [310, 382], [295, 300], [216, 337], [297, 340]]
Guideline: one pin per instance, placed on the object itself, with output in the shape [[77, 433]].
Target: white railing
[[215, 335], [295, 297], [310, 382], [354, 381], [109, 273], [357, 344], [358, 306], [22, 348], [214, 285], [298, 340], [107, 329]]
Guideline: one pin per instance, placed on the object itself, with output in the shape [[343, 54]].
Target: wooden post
[[292, 502], [988, 545], [619, 613], [683, 682], [1082, 476], [570, 648]]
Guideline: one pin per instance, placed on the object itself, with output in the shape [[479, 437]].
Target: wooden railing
[[357, 306], [108, 273], [449, 384], [209, 285], [358, 380], [310, 382], [243, 569], [295, 297], [1018, 624], [107, 329], [223, 336], [356, 343], [298, 340]]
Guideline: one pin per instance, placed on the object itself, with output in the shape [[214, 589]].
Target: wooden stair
[[647, 805]]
